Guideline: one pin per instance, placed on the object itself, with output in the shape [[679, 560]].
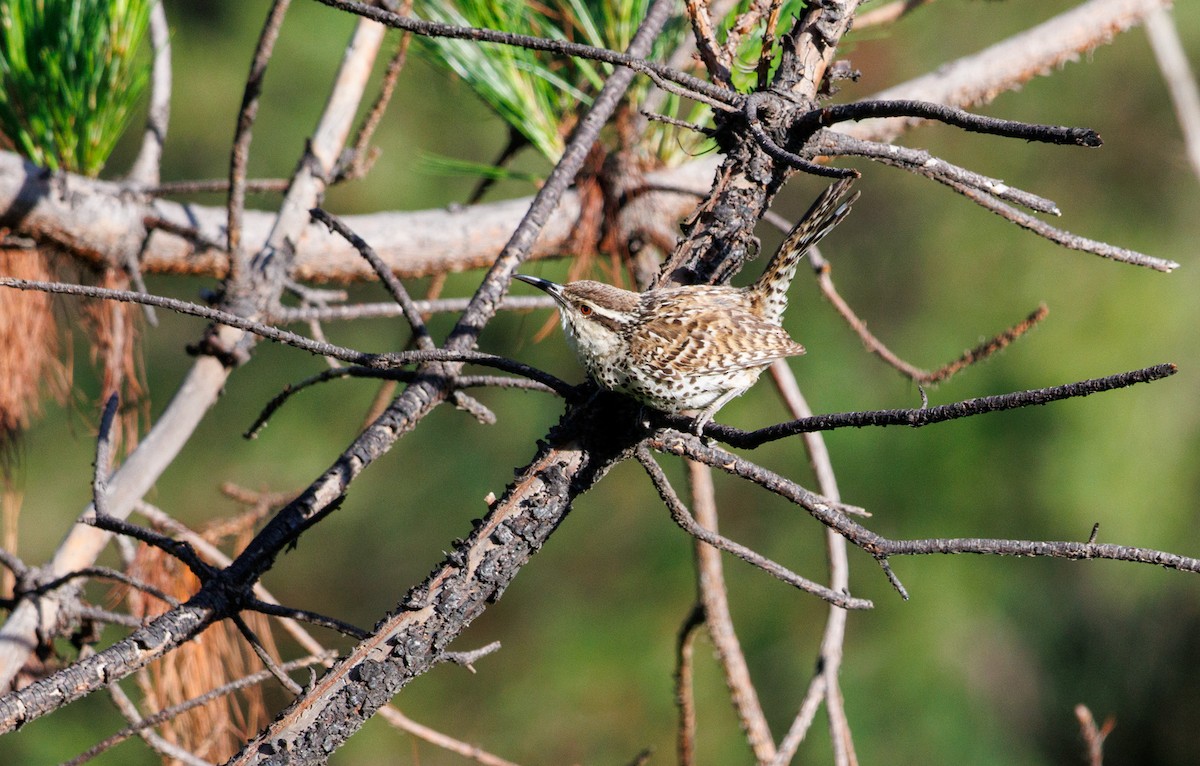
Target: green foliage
[[439, 164], [70, 76], [535, 94], [749, 47], [540, 97]]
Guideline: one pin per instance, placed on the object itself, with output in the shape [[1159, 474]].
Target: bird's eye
[[585, 309]]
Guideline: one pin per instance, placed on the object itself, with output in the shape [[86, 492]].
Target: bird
[[691, 348]]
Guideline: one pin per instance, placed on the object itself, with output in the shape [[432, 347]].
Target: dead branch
[[714, 600], [883, 548], [925, 416]]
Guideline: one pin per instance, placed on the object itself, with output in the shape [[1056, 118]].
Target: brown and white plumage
[[693, 347]]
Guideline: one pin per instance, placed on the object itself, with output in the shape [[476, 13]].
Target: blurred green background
[[986, 662]]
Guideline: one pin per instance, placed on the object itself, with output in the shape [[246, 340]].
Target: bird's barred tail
[[826, 212]]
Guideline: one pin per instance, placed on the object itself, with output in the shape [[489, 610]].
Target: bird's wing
[[712, 339]]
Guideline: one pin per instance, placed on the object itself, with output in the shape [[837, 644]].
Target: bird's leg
[[706, 414]]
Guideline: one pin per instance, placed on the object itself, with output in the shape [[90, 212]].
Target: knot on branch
[[780, 126]]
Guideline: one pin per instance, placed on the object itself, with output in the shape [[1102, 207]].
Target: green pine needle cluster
[[70, 77], [537, 94]]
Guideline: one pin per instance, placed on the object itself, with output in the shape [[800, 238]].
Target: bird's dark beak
[[553, 289]]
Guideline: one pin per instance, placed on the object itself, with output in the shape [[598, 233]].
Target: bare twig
[[146, 166], [684, 519], [240, 154], [949, 115], [407, 376], [174, 548], [394, 286], [167, 714], [1181, 81], [415, 320], [923, 163], [264, 656], [286, 315], [360, 161], [105, 573], [469, 658], [156, 742], [251, 185], [716, 60], [444, 741], [685, 693], [103, 466], [928, 415], [873, 344], [378, 361], [1093, 736], [719, 621], [824, 684], [881, 547], [1059, 236], [305, 615]]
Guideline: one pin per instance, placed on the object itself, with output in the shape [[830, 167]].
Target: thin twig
[[824, 684], [360, 153], [1059, 236], [714, 596], [1181, 81], [190, 233], [167, 714], [103, 466], [1093, 736], [917, 418], [159, 745], [198, 186], [146, 167], [673, 121], [685, 692], [681, 516], [882, 547], [264, 656], [469, 658], [874, 345], [417, 322], [393, 285], [239, 156], [949, 115], [305, 615], [923, 163], [285, 315], [406, 376], [105, 573], [378, 361], [633, 61], [440, 739], [174, 548]]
